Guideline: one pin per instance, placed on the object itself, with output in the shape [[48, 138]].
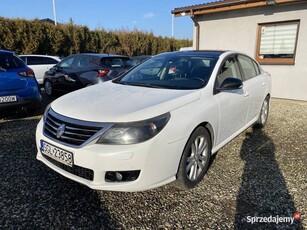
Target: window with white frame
[[277, 42]]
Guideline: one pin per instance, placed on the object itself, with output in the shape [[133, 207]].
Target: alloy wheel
[[264, 112], [48, 88], [196, 161]]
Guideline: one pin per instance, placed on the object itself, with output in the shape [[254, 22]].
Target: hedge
[[37, 37]]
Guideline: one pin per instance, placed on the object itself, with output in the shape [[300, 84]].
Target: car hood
[[110, 102]]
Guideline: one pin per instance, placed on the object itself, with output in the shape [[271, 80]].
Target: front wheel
[[48, 88], [195, 159], [264, 114]]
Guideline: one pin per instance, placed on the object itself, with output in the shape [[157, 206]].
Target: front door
[[233, 104]]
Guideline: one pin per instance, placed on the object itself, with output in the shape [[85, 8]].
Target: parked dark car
[[139, 59], [80, 70], [18, 85]]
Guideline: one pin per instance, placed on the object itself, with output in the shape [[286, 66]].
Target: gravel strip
[[260, 173]]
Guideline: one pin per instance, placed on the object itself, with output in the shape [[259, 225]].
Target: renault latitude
[[159, 122]]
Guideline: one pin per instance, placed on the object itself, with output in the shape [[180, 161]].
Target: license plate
[[7, 99], [57, 153]]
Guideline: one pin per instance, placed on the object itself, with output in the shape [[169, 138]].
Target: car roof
[[209, 53], [6, 52], [102, 55], [36, 55], [141, 56]]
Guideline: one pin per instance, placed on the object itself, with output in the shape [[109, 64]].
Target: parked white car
[[158, 123], [40, 64]]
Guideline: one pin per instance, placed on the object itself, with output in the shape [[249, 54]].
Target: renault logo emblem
[[60, 131]]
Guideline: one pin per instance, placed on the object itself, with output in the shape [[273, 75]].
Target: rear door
[[254, 82], [10, 80]]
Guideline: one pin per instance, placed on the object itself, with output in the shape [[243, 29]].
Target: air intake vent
[[85, 173]]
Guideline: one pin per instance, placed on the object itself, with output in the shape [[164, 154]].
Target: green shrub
[[36, 37]]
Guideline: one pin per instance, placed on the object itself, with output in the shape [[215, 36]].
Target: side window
[[24, 59], [49, 61], [39, 60], [247, 66], [257, 68], [230, 69], [82, 62], [34, 61], [67, 63]]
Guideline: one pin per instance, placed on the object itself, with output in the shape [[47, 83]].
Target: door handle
[[68, 78], [246, 94]]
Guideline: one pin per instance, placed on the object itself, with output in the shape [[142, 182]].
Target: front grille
[[79, 171], [76, 132]]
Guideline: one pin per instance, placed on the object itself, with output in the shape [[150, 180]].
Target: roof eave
[[225, 6]]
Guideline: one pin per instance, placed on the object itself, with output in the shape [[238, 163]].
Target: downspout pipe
[[197, 30]]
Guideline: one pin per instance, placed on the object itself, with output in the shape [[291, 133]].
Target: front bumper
[[156, 159]]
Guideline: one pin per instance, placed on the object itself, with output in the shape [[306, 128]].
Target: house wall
[[237, 30]]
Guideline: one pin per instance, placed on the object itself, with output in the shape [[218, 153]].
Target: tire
[[195, 159], [48, 88], [264, 114]]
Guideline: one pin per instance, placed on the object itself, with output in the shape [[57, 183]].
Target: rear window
[[115, 62], [10, 62]]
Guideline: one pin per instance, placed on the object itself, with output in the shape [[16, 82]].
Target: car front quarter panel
[[187, 118]]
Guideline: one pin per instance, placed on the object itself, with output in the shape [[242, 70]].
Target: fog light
[[122, 176], [118, 176]]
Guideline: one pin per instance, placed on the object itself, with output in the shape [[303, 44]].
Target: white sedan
[[157, 123]]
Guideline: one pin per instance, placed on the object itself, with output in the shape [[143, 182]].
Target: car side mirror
[[231, 84], [54, 68]]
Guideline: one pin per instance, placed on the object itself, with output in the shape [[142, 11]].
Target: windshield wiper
[[141, 84]]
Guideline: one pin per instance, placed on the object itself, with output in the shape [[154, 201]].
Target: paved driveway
[[258, 174]]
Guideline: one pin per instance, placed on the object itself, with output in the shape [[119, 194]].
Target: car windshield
[[171, 72]]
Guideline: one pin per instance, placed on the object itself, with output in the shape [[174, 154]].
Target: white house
[[274, 32]]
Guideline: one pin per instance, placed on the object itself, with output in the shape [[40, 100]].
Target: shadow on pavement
[[263, 191], [33, 196]]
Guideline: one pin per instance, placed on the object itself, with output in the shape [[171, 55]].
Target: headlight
[[46, 111], [134, 132]]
